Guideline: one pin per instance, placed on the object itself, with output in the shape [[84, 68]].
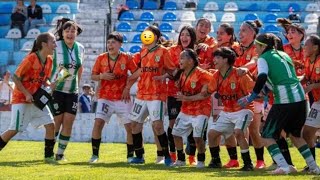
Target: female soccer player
[[194, 114], [111, 69], [230, 86], [187, 39], [288, 112], [33, 73], [69, 54], [153, 61], [312, 88], [295, 34]]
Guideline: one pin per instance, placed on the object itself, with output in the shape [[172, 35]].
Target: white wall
[[82, 128]]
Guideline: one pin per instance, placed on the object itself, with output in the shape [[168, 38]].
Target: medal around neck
[[63, 74]]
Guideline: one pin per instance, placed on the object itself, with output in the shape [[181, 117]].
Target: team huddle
[[240, 84]]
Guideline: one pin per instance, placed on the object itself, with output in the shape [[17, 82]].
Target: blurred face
[[20, 2], [32, 2], [220, 62], [50, 45], [185, 61], [202, 29], [7, 75], [86, 90], [185, 38], [259, 48], [113, 46], [294, 36], [246, 34], [222, 36], [69, 35], [309, 48]]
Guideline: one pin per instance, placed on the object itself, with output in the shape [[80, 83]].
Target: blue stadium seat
[[12, 68], [18, 56], [136, 38], [124, 27], [135, 49], [142, 26], [251, 17], [44, 28], [271, 29], [6, 7], [170, 5], [4, 19], [270, 18], [132, 4], [165, 36], [147, 16], [121, 49], [4, 31], [150, 5], [127, 16], [169, 16], [4, 58], [6, 45], [251, 7], [273, 7], [295, 7], [125, 39], [166, 27]]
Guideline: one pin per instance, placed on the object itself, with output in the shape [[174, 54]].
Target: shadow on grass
[[156, 167], [22, 163]]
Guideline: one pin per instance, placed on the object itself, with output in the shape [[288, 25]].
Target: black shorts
[[64, 102], [288, 117], [174, 107]]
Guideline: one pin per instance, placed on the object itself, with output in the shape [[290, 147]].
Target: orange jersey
[[174, 52], [234, 46], [153, 63], [245, 56], [192, 85], [112, 89], [231, 89], [205, 57], [210, 41], [298, 59], [32, 75], [312, 74]]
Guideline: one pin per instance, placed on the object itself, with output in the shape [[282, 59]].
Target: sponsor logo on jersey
[[150, 69], [229, 97], [318, 70], [248, 58]]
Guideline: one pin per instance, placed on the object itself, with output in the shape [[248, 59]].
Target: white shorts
[[216, 104], [23, 114], [142, 108], [184, 124], [106, 108], [227, 122], [258, 107], [313, 118]]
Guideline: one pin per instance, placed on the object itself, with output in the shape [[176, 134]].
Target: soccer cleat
[[60, 157], [260, 164], [160, 160], [50, 160], [129, 159], [200, 164], [314, 171], [305, 169], [214, 164], [232, 164], [168, 161], [179, 163], [281, 170], [247, 167], [94, 159], [272, 167], [173, 156], [293, 169], [137, 160], [192, 161]]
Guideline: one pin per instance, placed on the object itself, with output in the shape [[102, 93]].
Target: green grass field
[[24, 160]]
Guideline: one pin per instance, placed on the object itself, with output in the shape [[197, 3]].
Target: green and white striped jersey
[[281, 77], [72, 60]]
